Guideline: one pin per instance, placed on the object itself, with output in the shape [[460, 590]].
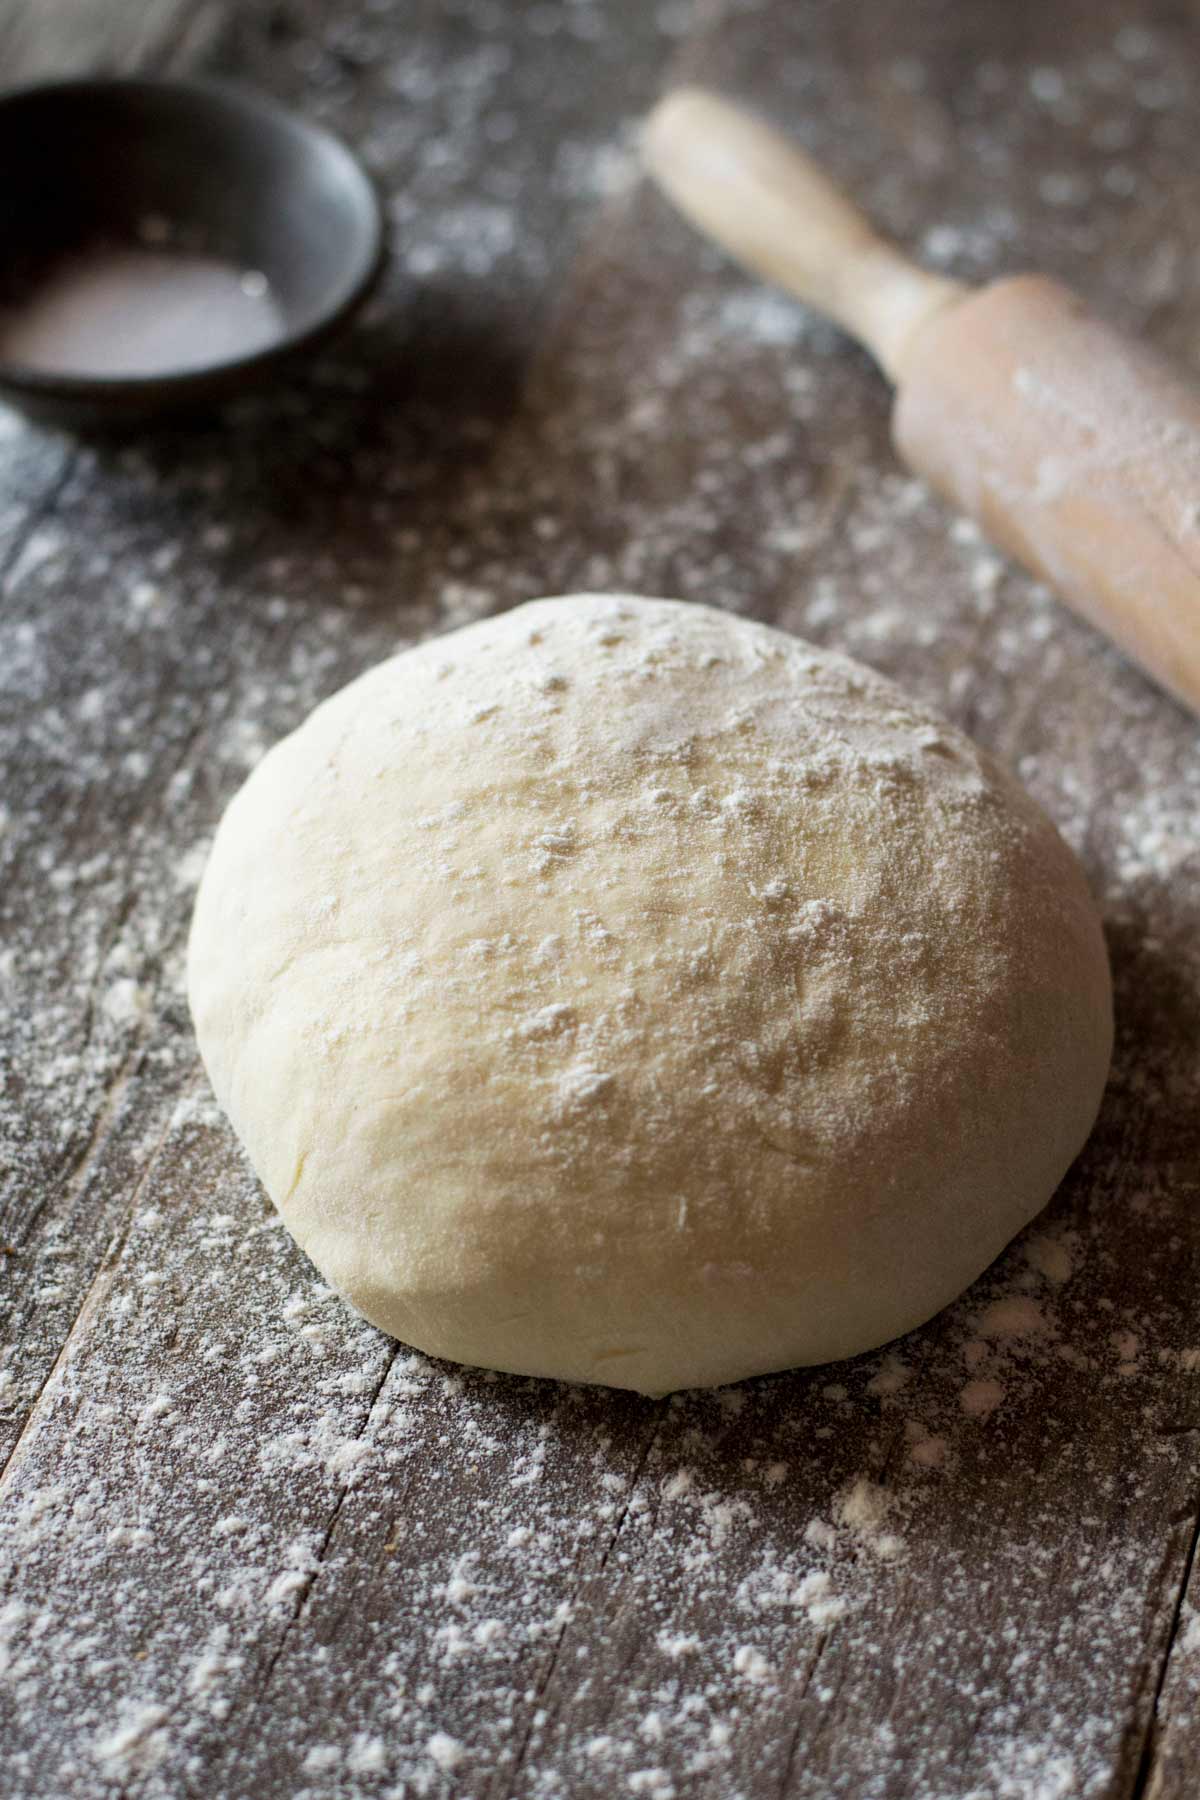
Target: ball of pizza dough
[[621, 991]]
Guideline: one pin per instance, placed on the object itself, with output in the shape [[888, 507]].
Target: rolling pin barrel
[[1079, 453], [1077, 450]]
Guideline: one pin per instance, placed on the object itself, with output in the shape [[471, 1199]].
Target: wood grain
[[46, 39], [251, 1546]]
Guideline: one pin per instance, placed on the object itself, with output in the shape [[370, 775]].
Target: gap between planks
[[101, 1282]]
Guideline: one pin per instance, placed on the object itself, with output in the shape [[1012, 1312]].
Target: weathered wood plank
[[45, 39], [73, 1110], [219, 580], [250, 1546]]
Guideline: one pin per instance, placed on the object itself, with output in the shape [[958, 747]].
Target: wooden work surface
[[248, 1546]]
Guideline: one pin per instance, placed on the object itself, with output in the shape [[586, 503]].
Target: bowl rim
[[197, 378]]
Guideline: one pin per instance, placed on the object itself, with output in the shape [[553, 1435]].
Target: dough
[[621, 991]]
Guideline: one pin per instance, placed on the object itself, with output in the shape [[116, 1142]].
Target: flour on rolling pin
[[1076, 449]]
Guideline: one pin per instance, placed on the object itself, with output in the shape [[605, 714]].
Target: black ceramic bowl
[[99, 166]]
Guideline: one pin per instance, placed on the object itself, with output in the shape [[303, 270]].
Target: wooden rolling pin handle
[[772, 208]]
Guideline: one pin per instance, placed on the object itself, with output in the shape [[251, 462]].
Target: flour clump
[[622, 991]]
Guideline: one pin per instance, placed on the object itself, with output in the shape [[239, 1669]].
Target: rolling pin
[[1076, 449]]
